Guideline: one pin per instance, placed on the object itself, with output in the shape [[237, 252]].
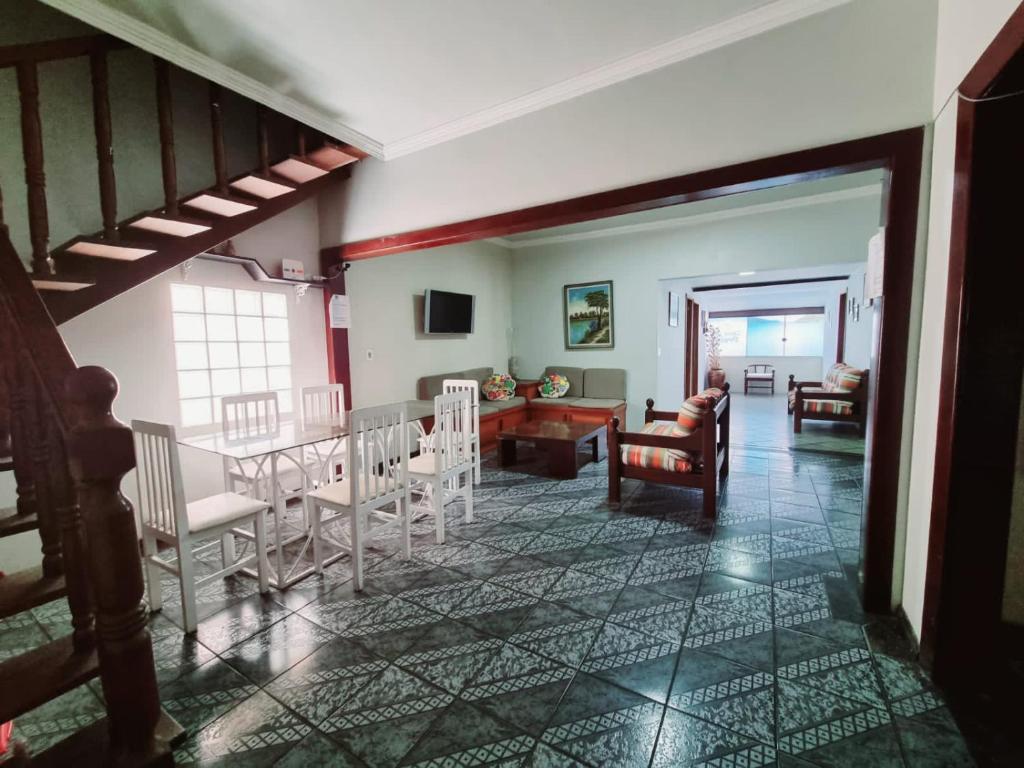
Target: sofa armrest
[[801, 384]]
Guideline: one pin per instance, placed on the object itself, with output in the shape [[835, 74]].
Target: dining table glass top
[[284, 436]]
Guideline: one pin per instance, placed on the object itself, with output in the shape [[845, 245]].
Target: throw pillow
[[500, 386], [554, 385]]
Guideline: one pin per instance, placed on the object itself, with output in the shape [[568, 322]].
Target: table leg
[[279, 511], [506, 452], [562, 459]]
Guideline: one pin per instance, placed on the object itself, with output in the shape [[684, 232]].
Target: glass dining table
[[314, 448]]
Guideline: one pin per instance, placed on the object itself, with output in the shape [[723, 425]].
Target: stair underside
[[26, 589], [44, 673], [12, 523]]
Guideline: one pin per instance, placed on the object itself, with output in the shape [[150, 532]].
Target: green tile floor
[[558, 631]]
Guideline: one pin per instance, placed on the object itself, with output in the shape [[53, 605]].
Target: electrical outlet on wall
[[369, 354]]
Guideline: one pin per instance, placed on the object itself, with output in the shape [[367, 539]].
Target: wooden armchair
[[760, 374], [662, 453], [823, 401]]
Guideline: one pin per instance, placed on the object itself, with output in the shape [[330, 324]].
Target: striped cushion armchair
[[842, 396]]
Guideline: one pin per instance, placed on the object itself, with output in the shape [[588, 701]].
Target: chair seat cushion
[[496, 406], [832, 407], [221, 509], [597, 402], [761, 376], [560, 402], [340, 494], [806, 391], [649, 457]]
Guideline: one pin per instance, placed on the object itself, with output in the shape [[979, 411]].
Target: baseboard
[[907, 629]]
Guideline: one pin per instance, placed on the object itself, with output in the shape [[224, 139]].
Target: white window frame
[[228, 341]]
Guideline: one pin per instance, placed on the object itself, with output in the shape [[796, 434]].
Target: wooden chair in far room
[[374, 496], [166, 517], [440, 471], [760, 374]]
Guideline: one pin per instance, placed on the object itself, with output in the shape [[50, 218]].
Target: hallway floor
[[557, 631]]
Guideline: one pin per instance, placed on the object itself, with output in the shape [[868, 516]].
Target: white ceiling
[[395, 76], [865, 184]]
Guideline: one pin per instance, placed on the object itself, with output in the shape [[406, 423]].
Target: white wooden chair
[[324, 405], [167, 517], [426, 442], [377, 479], [250, 417], [451, 460]]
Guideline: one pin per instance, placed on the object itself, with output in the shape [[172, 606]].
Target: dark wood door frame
[[965, 229], [841, 329], [690, 350], [898, 154]]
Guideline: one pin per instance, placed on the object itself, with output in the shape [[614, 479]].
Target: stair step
[[62, 284], [101, 249], [297, 170], [261, 187], [91, 747], [27, 589], [11, 522], [174, 226], [41, 675], [219, 205], [330, 157]]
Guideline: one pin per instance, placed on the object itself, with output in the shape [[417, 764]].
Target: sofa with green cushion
[[594, 395]]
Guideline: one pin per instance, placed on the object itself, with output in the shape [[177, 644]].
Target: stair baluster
[[220, 168], [35, 176], [165, 120], [263, 142], [104, 142], [101, 450]]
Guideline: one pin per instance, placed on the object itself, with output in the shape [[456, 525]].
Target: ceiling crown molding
[[773, 15], [871, 190], [143, 36], [765, 18]]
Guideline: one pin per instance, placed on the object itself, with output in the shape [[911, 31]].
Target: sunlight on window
[[228, 342], [771, 335]]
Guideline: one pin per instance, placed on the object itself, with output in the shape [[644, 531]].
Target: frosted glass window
[[250, 329], [254, 380], [219, 301], [223, 354], [226, 382], [765, 336], [248, 303], [186, 298], [190, 355], [275, 305], [733, 335], [771, 335], [805, 335], [278, 354], [196, 412], [194, 383], [276, 329], [228, 342], [220, 328], [251, 354]]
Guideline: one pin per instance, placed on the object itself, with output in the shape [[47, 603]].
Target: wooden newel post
[[101, 451]]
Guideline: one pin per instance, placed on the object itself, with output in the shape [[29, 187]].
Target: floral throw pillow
[[500, 386], [554, 386]]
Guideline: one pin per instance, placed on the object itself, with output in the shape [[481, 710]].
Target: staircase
[[88, 270], [58, 438]]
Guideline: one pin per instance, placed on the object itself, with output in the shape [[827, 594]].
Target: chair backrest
[[161, 498], [323, 404], [453, 429], [378, 450], [249, 416], [761, 368]]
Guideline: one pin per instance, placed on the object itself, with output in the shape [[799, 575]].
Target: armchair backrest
[[844, 378], [761, 368]]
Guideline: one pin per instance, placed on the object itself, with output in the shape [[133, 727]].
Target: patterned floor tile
[[466, 736], [811, 718], [275, 649], [19, 634], [57, 719], [558, 633], [316, 749], [848, 672], [204, 694], [450, 655], [388, 695], [737, 596], [238, 623], [633, 659], [528, 575], [394, 628], [175, 653], [932, 740], [687, 740], [712, 625]]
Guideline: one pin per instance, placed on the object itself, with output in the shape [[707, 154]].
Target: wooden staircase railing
[[69, 453], [90, 269]]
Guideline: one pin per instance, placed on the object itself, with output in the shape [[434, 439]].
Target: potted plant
[[713, 343]]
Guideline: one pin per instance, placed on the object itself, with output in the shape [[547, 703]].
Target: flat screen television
[[445, 312]]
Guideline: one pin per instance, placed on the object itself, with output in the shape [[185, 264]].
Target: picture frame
[[588, 315], [673, 309]]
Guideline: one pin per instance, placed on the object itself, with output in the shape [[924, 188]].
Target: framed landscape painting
[[588, 315]]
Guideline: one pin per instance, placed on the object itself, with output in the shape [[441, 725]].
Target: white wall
[[799, 237], [858, 331], [871, 73], [965, 29], [387, 306]]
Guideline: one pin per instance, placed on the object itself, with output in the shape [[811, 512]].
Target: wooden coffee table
[[559, 439]]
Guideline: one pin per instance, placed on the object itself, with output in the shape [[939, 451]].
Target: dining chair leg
[[357, 548], [187, 577], [318, 542], [155, 593], [262, 564], [438, 486], [468, 494], [403, 507], [476, 462], [227, 549]]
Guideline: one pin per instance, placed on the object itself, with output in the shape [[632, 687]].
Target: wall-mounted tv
[[445, 312]]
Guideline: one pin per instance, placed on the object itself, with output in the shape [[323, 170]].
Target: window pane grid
[[228, 342]]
